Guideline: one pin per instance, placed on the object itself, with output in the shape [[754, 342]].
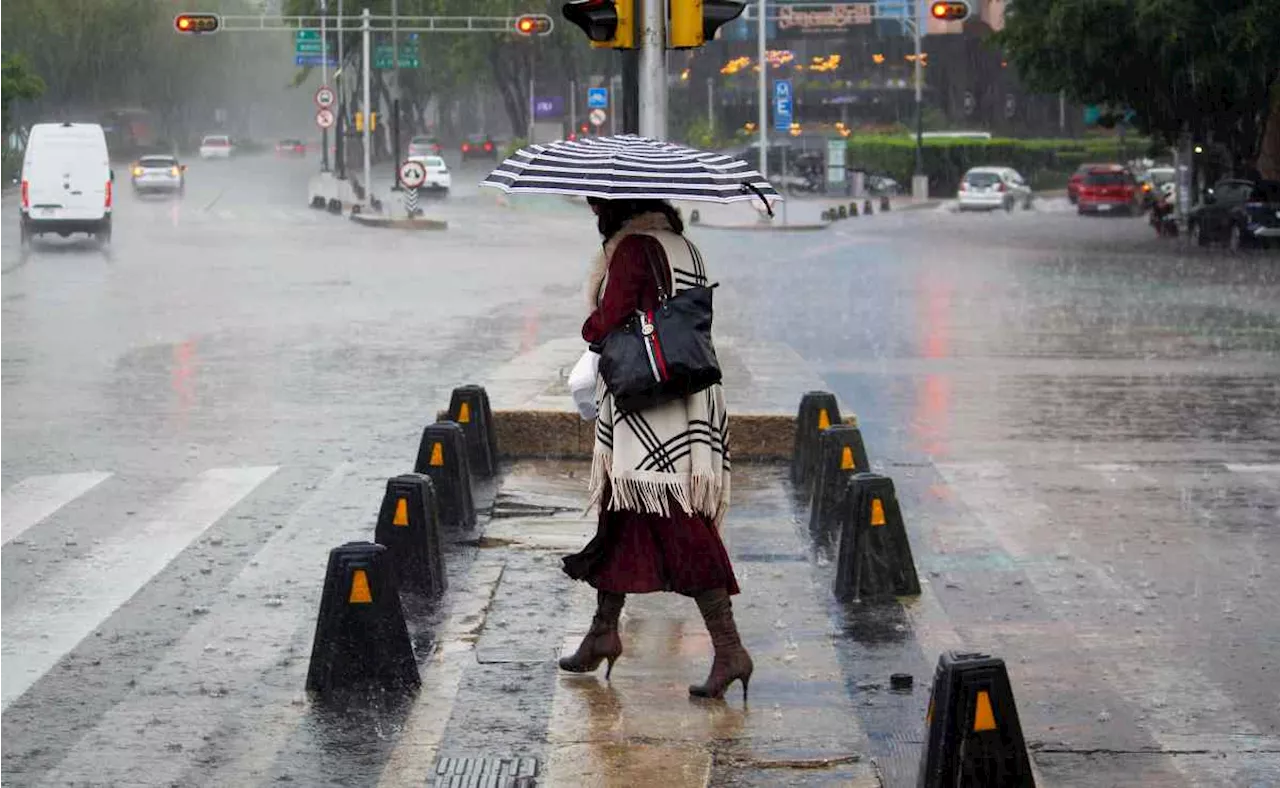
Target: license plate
[[48, 211], [1104, 207]]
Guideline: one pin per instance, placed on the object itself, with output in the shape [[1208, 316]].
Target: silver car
[[159, 174], [989, 188]]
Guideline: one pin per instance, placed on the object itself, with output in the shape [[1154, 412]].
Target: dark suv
[[1237, 212], [479, 146]]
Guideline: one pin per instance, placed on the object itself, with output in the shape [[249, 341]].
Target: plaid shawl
[[673, 452]]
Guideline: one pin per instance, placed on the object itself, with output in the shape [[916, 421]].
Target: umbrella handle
[[752, 187]]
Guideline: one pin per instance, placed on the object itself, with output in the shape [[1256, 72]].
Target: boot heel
[[609, 668], [745, 681]]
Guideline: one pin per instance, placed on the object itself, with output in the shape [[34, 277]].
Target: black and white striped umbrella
[[628, 167]]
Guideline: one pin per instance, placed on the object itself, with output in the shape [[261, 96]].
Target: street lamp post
[[919, 76], [763, 97], [324, 79]]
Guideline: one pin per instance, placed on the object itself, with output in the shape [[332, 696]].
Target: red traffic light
[[949, 10], [533, 24], [196, 23]]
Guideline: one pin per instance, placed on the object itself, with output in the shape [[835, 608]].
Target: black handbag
[[664, 354]]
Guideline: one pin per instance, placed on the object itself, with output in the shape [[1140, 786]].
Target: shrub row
[[1045, 163]]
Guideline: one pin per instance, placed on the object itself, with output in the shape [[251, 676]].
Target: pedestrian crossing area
[[231, 643]]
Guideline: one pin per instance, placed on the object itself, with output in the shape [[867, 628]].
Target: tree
[[1206, 67], [19, 82]]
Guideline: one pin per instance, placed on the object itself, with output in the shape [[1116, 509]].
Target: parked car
[[423, 145], [989, 188], [66, 181], [291, 147], [438, 178], [216, 146], [479, 146], [1152, 181], [1108, 190], [1077, 178], [158, 174], [1237, 212]]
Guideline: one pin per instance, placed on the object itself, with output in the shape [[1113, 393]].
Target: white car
[[989, 188], [438, 178], [158, 174], [216, 146]]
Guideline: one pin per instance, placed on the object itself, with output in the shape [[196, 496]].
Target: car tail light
[[137, 171], [1146, 187], [465, 147], [488, 146], [26, 194], [107, 202]]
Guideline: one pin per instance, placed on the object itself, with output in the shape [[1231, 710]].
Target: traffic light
[[196, 24], [692, 23], [610, 24], [949, 10], [533, 25]]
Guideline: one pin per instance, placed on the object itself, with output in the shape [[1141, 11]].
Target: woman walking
[[659, 475]]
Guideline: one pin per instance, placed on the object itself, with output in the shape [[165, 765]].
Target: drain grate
[[513, 772]]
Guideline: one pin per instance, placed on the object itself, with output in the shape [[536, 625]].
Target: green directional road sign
[[308, 42], [305, 34], [383, 56]]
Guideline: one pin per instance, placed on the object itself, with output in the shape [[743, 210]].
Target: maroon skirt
[[635, 553]]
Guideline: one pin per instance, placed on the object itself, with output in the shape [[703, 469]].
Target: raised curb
[[550, 434], [759, 227], [399, 224]]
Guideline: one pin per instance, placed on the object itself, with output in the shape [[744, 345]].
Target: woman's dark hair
[[615, 213]]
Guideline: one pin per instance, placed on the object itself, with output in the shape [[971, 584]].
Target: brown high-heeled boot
[[602, 641], [732, 662]]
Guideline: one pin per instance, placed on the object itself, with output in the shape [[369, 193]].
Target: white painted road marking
[[91, 589], [35, 498]]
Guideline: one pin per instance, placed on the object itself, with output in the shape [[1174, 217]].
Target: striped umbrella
[[628, 167]]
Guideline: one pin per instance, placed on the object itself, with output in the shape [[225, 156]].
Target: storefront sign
[[823, 19]]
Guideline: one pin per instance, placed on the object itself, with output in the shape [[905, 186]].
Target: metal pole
[[324, 79], [367, 67], [919, 92], [340, 147], [1062, 112], [533, 102], [763, 98], [395, 101], [711, 106], [653, 70], [573, 107], [630, 91]]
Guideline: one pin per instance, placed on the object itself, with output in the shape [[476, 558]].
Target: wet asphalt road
[[1083, 422]]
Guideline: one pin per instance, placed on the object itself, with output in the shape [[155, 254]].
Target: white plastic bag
[[582, 384]]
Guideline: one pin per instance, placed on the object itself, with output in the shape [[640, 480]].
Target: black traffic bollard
[[884, 203], [318, 201], [818, 410], [442, 455], [853, 208], [973, 734], [409, 527], [841, 454], [866, 208], [335, 205], [875, 557], [844, 214], [469, 407], [361, 639]]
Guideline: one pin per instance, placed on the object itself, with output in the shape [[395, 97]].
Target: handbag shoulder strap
[[661, 268]]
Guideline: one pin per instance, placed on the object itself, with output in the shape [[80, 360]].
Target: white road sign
[[597, 117], [324, 118], [412, 173], [325, 97]]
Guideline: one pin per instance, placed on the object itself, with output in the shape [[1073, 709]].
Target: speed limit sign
[[325, 97], [412, 173]]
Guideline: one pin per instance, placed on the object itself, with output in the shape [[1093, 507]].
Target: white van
[[66, 181]]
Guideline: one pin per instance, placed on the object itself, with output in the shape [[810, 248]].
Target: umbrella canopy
[[628, 167]]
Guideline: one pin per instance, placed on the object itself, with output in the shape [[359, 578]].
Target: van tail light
[[26, 195], [107, 203]]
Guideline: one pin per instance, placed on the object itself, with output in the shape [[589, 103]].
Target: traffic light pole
[[366, 69], [762, 19], [630, 91], [653, 70], [324, 80]]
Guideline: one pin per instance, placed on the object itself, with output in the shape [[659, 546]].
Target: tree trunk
[[1269, 155]]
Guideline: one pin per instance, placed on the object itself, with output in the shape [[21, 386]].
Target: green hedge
[[1046, 163]]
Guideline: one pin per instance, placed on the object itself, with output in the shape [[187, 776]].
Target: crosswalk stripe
[[256, 622], [35, 498], [89, 590], [1253, 468]]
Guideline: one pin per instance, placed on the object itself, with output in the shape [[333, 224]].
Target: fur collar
[[643, 223]]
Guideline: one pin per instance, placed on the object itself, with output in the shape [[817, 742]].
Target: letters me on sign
[[832, 19]]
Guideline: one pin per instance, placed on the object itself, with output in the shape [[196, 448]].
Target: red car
[[1077, 178], [291, 148], [1108, 190]]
